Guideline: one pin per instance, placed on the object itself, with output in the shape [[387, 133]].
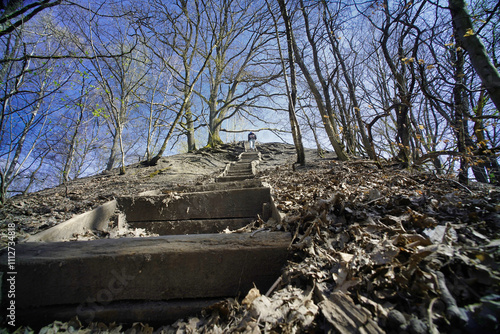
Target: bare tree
[[475, 49], [75, 138], [321, 94], [117, 78], [175, 29], [15, 13], [26, 101], [238, 68], [330, 24], [291, 88], [157, 100], [24, 113]]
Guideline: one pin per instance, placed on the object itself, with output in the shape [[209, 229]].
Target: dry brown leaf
[[253, 294], [346, 317]]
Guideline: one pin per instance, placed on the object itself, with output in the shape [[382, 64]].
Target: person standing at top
[[252, 137]]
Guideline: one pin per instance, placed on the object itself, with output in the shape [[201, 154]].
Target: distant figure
[[251, 140]]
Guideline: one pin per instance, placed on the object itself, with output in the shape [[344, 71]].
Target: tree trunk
[[312, 126], [213, 101], [114, 150], [368, 145], [491, 163], [459, 107], [292, 88], [347, 130], [3, 189], [465, 143], [477, 52], [191, 142], [122, 151], [323, 102], [402, 108], [72, 148], [214, 139], [329, 127], [187, 99], [403, 134], [158, 156]]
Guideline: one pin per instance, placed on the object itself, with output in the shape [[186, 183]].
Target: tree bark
[[72, 147], [191, 142], [475, 48], [113, 153], [17, 14], [465, 143]]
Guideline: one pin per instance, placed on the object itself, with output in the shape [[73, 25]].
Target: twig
[[295, 234], [373, 200], [457, 183], [364, 161], [275, 284], [432, 327], [452, 310], [257, 231]]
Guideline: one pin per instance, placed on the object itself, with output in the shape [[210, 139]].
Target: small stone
[[417, 326], [395, 319], [373, 194]]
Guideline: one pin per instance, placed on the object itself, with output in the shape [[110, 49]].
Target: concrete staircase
[[156, 280], [243, 169]]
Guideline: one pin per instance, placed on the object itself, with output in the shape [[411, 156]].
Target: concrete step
[[248, 159], [250, 154], [145, 269], [241, 165], [233, 178], [245, 184], [240, 169], [231, 173], [233, 203], [235, 169], [196, 226]]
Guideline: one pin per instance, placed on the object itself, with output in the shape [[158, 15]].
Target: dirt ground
[[374, 249]]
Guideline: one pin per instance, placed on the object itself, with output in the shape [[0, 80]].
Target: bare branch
[[55, 57]]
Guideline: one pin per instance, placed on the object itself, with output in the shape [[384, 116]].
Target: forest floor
[[374, 249]]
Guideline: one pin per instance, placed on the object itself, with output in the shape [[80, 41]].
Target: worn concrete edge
[[254, 165], [191, 226], [97, 219], [226, 169], [54, 251], [275, 212], [254, 183], [161, 196]]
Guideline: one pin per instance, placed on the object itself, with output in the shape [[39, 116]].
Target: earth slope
[[374, 249]]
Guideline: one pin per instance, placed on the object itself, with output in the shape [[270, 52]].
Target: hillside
[[374, 249], [43, 209]]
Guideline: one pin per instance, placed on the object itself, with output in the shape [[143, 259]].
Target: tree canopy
[[89, 86]]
